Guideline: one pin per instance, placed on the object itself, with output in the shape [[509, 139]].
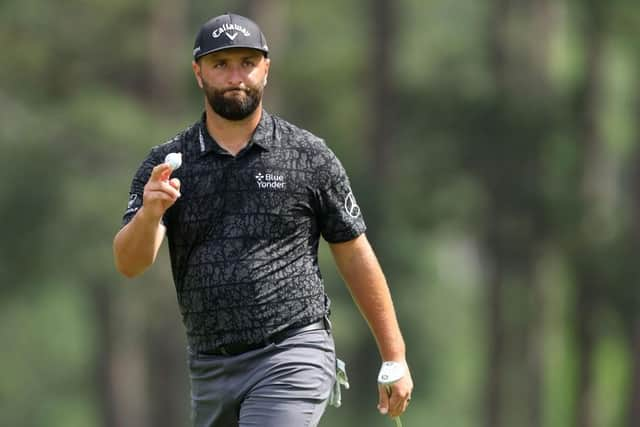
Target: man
[[243, 217]]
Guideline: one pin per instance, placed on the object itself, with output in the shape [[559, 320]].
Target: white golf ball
[[174, 160]]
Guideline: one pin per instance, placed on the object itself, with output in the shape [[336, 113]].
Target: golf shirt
[[243, 236]]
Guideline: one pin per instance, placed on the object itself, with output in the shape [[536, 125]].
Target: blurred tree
[[379, 106], [451, 120], [382, 91], [584, 253], [508, 163], [633, 334], [273, 16], [163, 347], [621, 264], [167, 56], [495, 278], [629, 297]]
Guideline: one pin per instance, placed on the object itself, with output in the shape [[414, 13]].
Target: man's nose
[[235, 77]]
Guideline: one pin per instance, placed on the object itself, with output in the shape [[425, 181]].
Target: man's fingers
[[405, 405], [175, 183], [396, 396], [396, 405], [168, 194], [383, 401], [158, 203], [161, 172], [400, 396], [159, 196], [172, 191]]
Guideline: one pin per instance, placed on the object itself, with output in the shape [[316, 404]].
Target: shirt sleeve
[[137, 185], [340, 216]]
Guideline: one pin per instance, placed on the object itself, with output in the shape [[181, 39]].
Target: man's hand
[[136, 245], [394, 398], [361, 271], [160, 193]]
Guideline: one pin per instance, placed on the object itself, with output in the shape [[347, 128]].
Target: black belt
[[239, 348]]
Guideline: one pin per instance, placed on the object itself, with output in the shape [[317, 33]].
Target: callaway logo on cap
[[229, 31]]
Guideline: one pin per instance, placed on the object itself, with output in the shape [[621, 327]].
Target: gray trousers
[[281, 385]]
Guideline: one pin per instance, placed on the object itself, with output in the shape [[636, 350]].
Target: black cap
[[228, 31]]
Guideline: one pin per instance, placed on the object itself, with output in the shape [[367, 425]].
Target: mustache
[[232, 89]]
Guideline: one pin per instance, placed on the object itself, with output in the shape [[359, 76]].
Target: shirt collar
[[262, 136]]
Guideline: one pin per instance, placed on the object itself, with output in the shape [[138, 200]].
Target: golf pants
[[284, 384]]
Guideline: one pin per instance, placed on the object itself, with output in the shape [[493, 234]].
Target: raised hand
[[160, 192]]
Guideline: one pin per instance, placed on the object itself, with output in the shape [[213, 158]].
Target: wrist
[[395, 354], [146, 216]]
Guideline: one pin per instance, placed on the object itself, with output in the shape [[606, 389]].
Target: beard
[[233, 103]]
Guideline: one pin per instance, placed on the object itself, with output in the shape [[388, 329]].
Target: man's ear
[[266, 74], [196, 72]]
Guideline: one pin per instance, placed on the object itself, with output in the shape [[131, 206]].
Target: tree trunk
[[167, 382], [634, 401], [585, 349], [633, 410], [535, 351], [496, 334], [515, 229], [167, 35], [382, 92], [164, 356], [591, 139], [104, 337], [380, 109], [271, 16], [542, 18], [119, 372], [499, 43], [496, 352]]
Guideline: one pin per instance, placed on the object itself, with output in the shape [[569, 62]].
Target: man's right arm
[[136, 245]]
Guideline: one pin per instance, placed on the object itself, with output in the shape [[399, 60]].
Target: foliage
[[79, 112]]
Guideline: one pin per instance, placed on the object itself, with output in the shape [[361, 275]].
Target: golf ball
[[174, 160]]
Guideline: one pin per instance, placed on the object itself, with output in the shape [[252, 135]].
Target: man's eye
[[219, 65], [249, 64]]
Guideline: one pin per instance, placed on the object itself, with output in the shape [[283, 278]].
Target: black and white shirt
[[243, 237]]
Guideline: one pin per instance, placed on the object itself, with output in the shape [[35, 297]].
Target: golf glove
[[335, 398]]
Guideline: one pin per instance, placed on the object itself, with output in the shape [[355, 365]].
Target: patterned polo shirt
[[243, 237]]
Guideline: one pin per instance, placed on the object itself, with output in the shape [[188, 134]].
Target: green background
[[493, 146]]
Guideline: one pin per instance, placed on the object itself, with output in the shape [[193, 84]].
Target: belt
[[239, 348]]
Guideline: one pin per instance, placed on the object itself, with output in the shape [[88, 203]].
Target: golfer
[[243, 215]]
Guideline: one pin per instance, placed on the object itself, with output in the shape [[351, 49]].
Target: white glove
[[335, 398]]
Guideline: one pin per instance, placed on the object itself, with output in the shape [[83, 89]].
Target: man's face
[[233, 81]]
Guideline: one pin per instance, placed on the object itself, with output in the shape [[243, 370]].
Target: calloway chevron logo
[[231, 31], [269, 180]]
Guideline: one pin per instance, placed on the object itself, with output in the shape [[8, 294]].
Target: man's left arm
[[361, 271]]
